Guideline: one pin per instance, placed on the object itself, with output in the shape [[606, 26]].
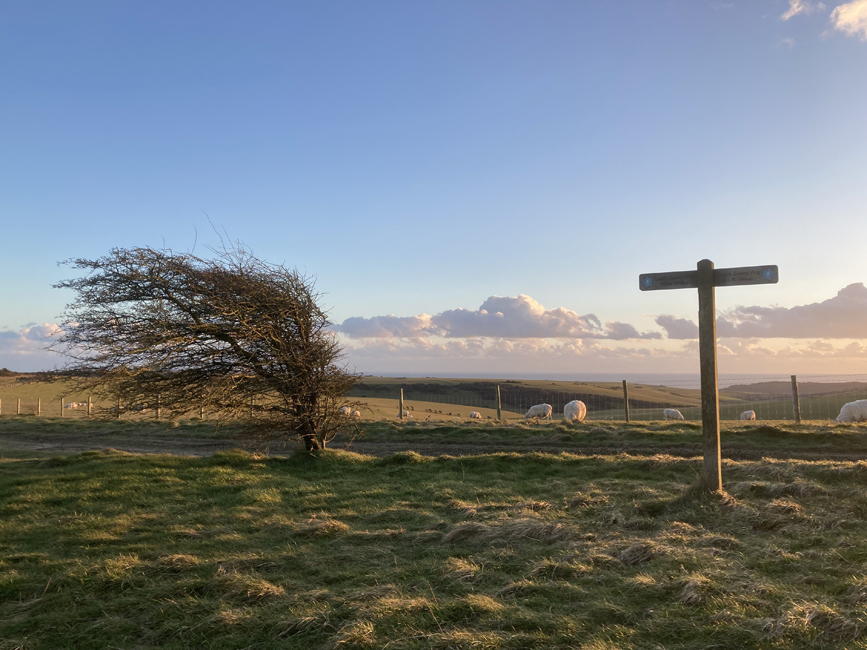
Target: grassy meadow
[[499, 535], [338, 550]]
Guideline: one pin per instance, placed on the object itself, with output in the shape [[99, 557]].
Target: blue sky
[[420, 158]]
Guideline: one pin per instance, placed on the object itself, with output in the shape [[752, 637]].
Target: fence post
[[61, 405], [251, 407], [158, 407], [38, 406], [712, 463], [1, 407], [118, 407], [89, 404], [201, 412], [400, 405], [19, 407], [499, 404], [796, 399], [625, 400]]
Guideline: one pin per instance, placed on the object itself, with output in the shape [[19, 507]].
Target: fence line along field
[[446, 399]]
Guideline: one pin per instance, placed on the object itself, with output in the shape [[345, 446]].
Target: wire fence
[[783, 397], [773, 397]]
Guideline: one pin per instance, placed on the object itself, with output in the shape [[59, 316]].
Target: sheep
[[345, 410], [672, 414], [853, 411], [71, 405], [407, 415], [575, 410], [355, 414], [748, 415], [475, 415], [539, 411]]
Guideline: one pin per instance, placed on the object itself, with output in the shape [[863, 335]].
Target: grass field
[[105, 549]]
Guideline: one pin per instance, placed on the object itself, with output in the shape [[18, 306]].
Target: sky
[[476, 185]]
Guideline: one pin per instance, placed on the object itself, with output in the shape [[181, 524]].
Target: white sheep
[[345, 410], [355, 414], [575, 410], [672, 414], [748, 415], [853, 411], [539, 411], [475, 415], [71, 405]]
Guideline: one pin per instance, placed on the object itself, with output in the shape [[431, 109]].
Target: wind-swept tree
[[234, 334]]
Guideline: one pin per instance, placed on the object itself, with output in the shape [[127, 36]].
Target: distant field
[[434, 399]]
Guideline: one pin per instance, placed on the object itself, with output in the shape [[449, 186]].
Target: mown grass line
[[337, 550]]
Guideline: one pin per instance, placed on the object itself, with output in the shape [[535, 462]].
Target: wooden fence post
[[158, 407], [499, 404], [61, 406], [625, 400], [19, 407], [89, 405], [38, 406], [201, 412], [118, 407], [712, 465], [400, 405], [796, 399], [1, 407]]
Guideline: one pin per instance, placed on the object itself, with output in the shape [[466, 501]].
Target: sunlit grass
[[339, 550]]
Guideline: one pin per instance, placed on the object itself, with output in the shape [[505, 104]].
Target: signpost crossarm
[[712, 468]]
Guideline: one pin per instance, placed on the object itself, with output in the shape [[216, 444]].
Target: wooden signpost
[[705, 278]]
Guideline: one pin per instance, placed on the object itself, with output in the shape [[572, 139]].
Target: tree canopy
[[237, 336]]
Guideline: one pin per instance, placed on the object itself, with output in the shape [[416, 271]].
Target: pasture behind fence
[[814, 398], [774, 398]]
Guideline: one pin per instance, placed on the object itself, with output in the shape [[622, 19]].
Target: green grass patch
[[338, 550]]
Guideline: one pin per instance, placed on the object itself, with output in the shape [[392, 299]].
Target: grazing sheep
[[575, 410], [539, 411], [355, 414], [853, 411], [672, 414], [71, 405], [748, 415], [345, 410], [475, 415]]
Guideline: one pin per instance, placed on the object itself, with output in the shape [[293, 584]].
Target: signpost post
[[705, 278]]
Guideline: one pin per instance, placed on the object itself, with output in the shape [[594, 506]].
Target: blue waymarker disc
[[648, 282], [767, 274]]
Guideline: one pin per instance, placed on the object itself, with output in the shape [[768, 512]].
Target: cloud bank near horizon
[[842, 317], [24, 349], [499, 317]]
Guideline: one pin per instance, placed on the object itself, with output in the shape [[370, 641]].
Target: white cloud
[[23, 350], [841, 317], [497, 317], [801, 7], [851, 19], [788, 42]]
